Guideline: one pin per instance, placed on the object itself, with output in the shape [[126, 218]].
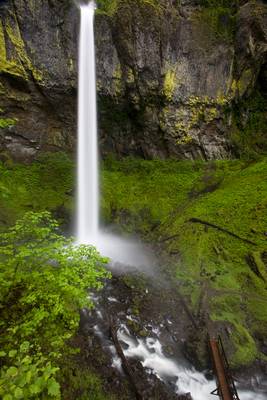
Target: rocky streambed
[[152, 327]]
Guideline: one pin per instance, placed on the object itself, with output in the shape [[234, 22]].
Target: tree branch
[[199, 221]]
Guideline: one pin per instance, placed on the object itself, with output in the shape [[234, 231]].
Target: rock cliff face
[[175, 78]]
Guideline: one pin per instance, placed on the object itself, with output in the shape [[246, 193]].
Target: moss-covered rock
[[207, 218], [249, 134], [47, 184]]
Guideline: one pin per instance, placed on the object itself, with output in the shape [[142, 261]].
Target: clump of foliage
[[44, 281], [217, 19], [7, 122], [110, 7]]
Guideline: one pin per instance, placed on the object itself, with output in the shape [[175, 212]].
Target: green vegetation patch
[[46, 184], [138, 194], [212, 219], [44, 282], [110, 7], [19, 64], [216, 20], [208, 218], [250, 138], [7, 122]]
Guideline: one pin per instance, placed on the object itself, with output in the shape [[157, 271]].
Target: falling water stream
[[87, 226], [87, 218], [149, 351]]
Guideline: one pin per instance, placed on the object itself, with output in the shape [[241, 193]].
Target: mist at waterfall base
[[124, 251]]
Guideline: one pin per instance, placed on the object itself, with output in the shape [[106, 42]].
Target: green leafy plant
[[44, 281], [28, 375], [6, 122]]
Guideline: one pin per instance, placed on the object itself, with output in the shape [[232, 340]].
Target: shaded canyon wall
[[175, 78]]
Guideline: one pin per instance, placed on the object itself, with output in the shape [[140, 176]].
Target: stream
[[152, 329]]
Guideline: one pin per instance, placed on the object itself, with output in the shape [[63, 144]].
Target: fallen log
[[219, 228], [125, 365]]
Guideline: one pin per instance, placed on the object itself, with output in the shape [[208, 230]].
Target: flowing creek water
[[152, 329], [152, 333]]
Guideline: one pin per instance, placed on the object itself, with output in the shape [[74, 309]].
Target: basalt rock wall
[[173, 77]]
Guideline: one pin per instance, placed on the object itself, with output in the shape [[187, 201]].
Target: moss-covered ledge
[[222, 277]]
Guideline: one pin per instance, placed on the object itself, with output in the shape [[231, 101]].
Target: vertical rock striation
[[173, 77]]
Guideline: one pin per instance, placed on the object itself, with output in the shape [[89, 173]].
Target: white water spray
[[88, 208]]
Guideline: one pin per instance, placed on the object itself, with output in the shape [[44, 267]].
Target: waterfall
[[88, 208], [87, 225]]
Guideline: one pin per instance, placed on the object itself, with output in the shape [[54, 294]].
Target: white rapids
[[187, 380]]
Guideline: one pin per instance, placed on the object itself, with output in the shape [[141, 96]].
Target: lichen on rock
[[168, 81]]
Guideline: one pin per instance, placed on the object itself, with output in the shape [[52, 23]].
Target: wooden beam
[[219, 369]]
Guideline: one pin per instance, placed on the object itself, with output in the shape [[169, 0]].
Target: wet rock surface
[[168, 76], [153, 329], [142, 311]]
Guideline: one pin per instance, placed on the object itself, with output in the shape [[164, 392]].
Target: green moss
[[6, 122], [158, 199], [12, 67], [216, 20], [229, 308], [18, 43], [249, 136], [19, 64], [245, 347], [82, 384], [117, 79], [169, 84], [130, 76], [2, 44], [197, 111], [46, 184], [182, 132], [144, 204], [110, 7], [245, 81]]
